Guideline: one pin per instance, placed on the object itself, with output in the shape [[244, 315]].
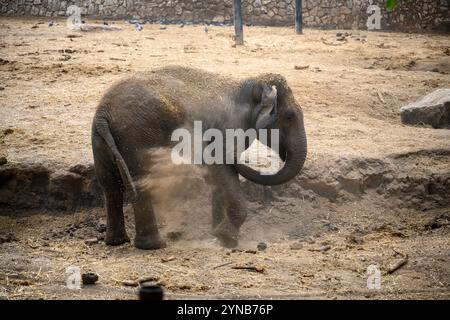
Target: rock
[[8, 131], [89, 278], [261, 246], [3, 161], [296, 246], [433, 109], [7, 238]]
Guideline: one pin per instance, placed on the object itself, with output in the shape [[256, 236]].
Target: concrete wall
[[342, 14]]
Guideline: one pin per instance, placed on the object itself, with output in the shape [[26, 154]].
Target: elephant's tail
[[102, 126]]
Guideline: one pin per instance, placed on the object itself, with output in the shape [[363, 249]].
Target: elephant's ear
[[267, 111]]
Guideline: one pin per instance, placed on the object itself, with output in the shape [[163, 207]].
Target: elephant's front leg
[[228, 205], [147, 234]]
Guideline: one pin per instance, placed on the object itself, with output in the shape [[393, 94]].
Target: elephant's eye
[[290, 114]]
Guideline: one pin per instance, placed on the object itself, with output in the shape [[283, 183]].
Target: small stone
[[89, 278], [8, 131], [8, 238], [296, 246], [261, 246]]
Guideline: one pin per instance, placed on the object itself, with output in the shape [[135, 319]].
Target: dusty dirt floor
[[373, 191]]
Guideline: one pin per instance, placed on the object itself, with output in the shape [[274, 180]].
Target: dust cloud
[[180, 195]]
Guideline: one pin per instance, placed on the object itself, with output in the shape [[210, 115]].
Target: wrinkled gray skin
[[141, 112]]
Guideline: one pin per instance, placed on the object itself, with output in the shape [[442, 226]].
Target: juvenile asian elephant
[[141, 112]]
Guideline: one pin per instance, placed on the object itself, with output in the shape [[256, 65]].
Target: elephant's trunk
[[296, 149]]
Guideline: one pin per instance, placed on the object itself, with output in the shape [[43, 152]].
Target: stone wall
[[342, 14]]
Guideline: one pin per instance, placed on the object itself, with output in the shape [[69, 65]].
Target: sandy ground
[[51, 79]]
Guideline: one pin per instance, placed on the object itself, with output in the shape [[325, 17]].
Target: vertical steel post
[[238, 27], [298, 17]]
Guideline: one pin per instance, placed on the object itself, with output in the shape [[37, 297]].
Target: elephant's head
[[274, 107]]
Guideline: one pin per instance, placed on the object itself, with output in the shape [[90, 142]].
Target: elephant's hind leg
[[115, 230], [111, 183], [147, 234]]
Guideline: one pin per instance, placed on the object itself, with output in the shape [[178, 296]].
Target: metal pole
[[238, 28], [298, 17]]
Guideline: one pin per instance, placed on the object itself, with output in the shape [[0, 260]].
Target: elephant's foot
[[227, 235], [149, 242], [116, 239]]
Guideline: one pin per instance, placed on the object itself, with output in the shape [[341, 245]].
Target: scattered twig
[[404, 255], [222, 265], [380, 96], [321, 249], [324, 41], [135, 283], [171, 258], [98, 27], [39, 273], [127, 283], [250, 268], [399, 263], [301, 67]]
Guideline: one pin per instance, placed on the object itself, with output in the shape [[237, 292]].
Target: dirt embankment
[[398, 177]]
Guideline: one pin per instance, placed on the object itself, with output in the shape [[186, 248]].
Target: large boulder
[[433, 109]]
